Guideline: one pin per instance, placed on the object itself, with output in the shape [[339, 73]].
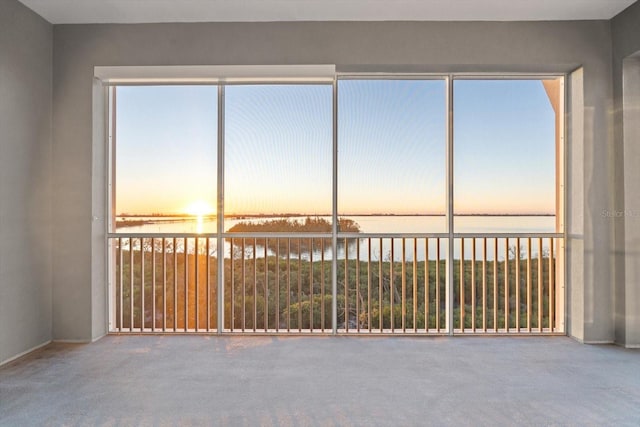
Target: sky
[[165, 148], [504, 139], [391, 148]]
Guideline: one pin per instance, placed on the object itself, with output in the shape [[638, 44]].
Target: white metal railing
[[165, 283], [384, 283], [509, 284]]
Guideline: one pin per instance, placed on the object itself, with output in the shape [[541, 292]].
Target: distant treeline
[[288, 225]]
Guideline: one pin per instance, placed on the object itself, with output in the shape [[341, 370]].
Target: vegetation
[[294, 292], [288, 225]]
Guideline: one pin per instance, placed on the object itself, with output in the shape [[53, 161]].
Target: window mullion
[[220, 212], [450, 189], [334, 215]]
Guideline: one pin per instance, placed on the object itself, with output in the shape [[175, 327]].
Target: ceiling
[[137, 11]]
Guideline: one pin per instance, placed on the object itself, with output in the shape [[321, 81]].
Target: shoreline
[[127, 221]]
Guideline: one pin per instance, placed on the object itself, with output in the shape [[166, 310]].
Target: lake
[[368, 224], [387, 224]]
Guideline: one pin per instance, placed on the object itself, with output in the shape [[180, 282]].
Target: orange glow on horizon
[[200, 208]]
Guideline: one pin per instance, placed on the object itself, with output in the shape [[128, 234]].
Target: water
[[390, 224], [370, 224]]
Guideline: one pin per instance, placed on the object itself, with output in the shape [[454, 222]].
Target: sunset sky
[[391, 148]]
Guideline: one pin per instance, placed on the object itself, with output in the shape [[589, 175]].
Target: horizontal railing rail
[[386, 283]]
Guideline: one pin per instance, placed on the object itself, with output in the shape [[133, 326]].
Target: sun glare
[[200, 208]]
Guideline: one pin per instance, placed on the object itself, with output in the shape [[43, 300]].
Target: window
[[391, 154], [428, 204], [278, 145], [165, 166], [506, 140]]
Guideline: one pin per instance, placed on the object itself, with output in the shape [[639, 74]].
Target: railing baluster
[[415, 285], [358, 285], [391, 286], [484, 284], [131, 285], [299, 286], [186, 285], [461, 290], [346, 286], [244, 287], [495, 284], [426, 285], [120, 280], [540, 310], [277, 284], [311, 299], [473, 285], [380, 289], [288, 285], [506, 285], [517, 255], [529, 284], [208, 273], [197, 277], [232, 268], [266, 286], [369, 284], [437, 290], [322, 285], [255, 285], [551, 286], [153, 284], [164, 285], [403, 290], [142, 286], [175, 285]]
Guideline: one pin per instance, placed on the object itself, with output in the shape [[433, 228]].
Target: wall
[[626, 89], [26, 42], [352, 46]]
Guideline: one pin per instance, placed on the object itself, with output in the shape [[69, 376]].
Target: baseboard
[[99, 338], [89, 341], [26, 352], [72, 341], [631, 346], [591, 342]]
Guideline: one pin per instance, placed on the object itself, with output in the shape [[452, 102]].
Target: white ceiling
[[134, 11]]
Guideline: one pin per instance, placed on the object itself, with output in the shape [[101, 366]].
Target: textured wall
[[352, 46], [26, 42]]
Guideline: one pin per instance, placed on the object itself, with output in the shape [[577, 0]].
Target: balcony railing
[[509, 284], [375, 284]]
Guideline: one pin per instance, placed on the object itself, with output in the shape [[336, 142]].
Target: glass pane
[[166, 157], [506, 135], [391, 148], [278, 170]]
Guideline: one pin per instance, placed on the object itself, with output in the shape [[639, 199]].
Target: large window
[[370, 203], [392, 156]]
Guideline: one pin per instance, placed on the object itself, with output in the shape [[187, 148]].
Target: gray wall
[[388, 46], [26, 42], [626, 88]]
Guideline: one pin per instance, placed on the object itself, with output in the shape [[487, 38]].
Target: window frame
[[136, 76]]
